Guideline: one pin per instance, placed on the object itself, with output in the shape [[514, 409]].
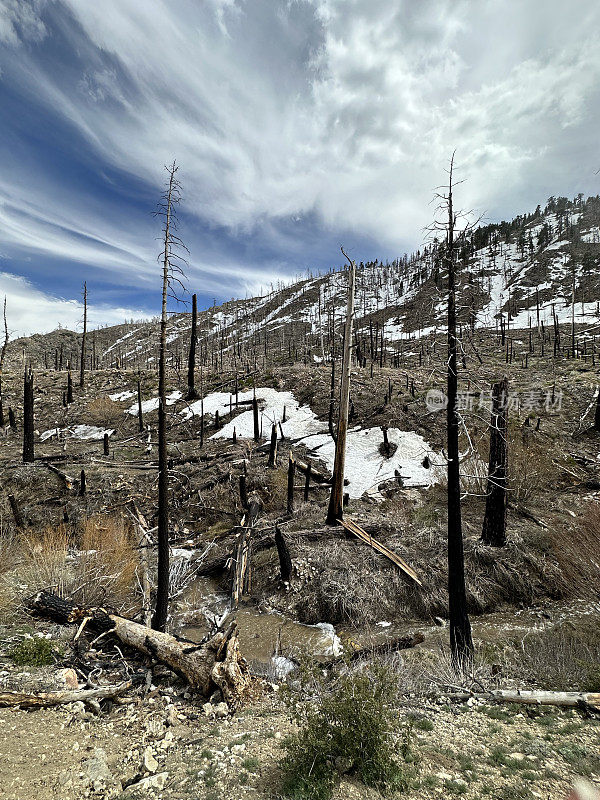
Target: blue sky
[[298, 125]]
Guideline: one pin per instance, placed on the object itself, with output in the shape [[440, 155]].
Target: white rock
[[150, 763]]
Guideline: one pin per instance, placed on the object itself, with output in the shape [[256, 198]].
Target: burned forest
[[299, 400]]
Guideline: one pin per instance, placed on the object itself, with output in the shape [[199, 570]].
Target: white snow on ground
[[78, 432], [365, 466], [121, 396], [152, 405]]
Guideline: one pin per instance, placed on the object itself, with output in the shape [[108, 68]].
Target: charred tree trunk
[[159, 619], [494, 521], [2, 356], [28, 449], [273, 447], [82, 364], [290, 484], [69, 385], [192, 394], [461, 642], [285, 561]]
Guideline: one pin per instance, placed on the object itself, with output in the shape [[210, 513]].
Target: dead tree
[[241, 566], [494, 521], [140, 411], [2, 356], [285, 561], [461, 641], [82, 364], [28, 449], [192, 394], [171, 270], [69, 384], [336, 500]]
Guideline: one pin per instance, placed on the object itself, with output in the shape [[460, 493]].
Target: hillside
[[81, 521], [523, 272]]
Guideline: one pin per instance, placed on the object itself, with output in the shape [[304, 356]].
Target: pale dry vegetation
[[98, 564]]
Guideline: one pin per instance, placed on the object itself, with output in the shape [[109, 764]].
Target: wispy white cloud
[[29, 310], [344, 109]]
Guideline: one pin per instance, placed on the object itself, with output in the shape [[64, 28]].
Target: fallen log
[[91, 697], [370, 651], [352, 527], [585, 700], [195, 663]]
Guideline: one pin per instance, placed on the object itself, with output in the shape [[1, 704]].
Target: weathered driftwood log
[[197, 664], [583, 700], [44, 699]]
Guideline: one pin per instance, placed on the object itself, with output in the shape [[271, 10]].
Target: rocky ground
[[167, 746]]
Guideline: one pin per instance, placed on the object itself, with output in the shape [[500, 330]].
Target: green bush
[[35, 652], [347, 727]]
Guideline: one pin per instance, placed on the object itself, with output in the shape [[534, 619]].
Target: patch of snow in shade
[[282, 666], [365, 466], [78, 432], [48, 434], [181, 552], [152, 405], [121, 396], [384, 624], [90, 432]]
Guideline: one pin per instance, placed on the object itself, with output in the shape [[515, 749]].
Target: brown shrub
[[103, 412]]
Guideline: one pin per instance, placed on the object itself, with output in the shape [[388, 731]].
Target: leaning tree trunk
[[28, 450], [461, 642], [494, 521], [335, 511], [192, 394]]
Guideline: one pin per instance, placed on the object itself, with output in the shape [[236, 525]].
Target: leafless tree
[[2, 357], [461, 641], [82, 365], [172, 275], [336, 500]]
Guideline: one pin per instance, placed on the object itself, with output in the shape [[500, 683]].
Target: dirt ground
[[166, 747]]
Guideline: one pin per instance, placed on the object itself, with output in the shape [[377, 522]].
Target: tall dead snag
[[82, 365], [69, 384], [494, 521], [140, 411], [461, 641], [170, 270], [597, 413], [28, 454], [192, 394], [336, 499], [2, 356]]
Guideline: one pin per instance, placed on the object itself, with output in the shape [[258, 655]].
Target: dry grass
[[577, 551], [563, 658], [101, 571], [103, 412], [108, 563]]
